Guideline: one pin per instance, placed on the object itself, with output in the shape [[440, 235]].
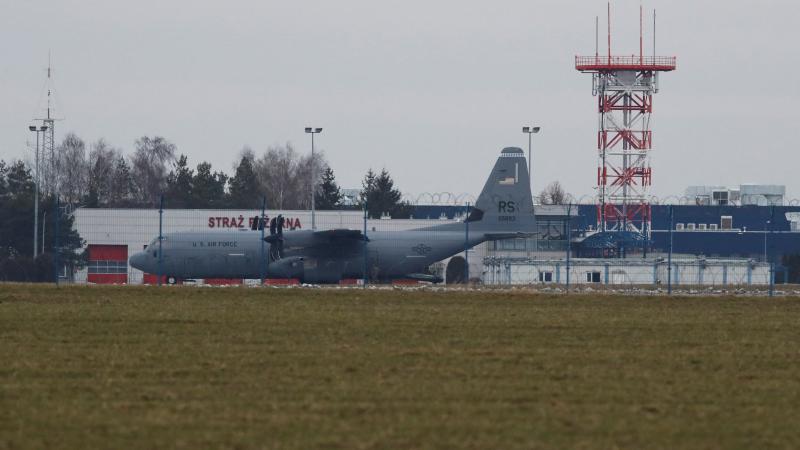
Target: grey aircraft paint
[[504, 210]]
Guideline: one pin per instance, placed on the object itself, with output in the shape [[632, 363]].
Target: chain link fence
[[347, 247]]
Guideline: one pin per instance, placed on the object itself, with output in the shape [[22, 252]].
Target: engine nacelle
[[291, 267]]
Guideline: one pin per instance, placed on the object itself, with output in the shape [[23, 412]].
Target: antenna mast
[[596, 36], [654, 32], [49, 162], [609, 30], [641, 32]]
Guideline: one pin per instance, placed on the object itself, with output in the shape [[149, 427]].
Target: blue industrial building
[[762, 233]]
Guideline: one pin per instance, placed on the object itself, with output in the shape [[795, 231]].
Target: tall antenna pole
[[609, 32], [654, 32], [48, 84], [596, 36], [641, 32]]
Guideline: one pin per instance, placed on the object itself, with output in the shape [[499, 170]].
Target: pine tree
[[208, 188], [3, 184], [328, 194], [179, 192], [16, 211], [367, 195], [243, 188], [381, 196], [123, 189]]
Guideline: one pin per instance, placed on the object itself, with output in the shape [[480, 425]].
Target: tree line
[[103, 176], [17, 261]]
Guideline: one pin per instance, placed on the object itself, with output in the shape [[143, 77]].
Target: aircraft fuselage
[[242, 254]]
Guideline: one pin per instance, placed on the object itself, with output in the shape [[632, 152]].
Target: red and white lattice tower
[[624, 87]]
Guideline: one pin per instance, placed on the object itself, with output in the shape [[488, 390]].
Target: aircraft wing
[[340, 235]]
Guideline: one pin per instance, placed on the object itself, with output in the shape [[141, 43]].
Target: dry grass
[[112, 367]]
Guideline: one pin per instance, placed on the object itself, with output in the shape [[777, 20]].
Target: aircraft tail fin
[[505, 206]]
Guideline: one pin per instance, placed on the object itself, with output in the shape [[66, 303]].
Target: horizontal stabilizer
[[514, 235]]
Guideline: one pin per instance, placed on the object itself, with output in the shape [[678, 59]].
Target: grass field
[[118, 367]]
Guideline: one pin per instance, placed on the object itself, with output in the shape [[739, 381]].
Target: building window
[[720, 197], [679, 226], [701, 226], [690, 226], [545, 276], [593, 277], [712, 227], [107, 267]]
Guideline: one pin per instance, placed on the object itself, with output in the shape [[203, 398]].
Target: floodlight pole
[[312, 131], [530, 131], [41, 129], [56, 242], [36, 201]]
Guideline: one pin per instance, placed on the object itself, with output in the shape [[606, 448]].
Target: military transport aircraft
[[504, 210]]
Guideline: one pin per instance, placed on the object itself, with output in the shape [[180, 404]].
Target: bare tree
[[303, 175], [149, 162], [102, 158], [72, 169], [553, 194], [275, 170], [284, 176]]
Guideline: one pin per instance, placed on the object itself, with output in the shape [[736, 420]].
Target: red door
[[108, 264]]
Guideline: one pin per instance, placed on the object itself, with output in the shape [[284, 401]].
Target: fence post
[[669, 255], [466, 248], [646, 240], [771, 279], [724, 274], [772, 263], [655, 274], [160, 236], [365, 247], [56, 251], [569, 239], [262, 224]]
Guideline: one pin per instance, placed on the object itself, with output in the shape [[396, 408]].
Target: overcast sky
[[429, 90]]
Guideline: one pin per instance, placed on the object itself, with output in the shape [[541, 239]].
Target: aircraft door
[[191, 265], [374, 264]]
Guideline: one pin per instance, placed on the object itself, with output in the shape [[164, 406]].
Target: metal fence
[[240, 248]]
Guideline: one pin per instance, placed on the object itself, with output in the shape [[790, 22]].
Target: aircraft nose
[[137, 260]]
